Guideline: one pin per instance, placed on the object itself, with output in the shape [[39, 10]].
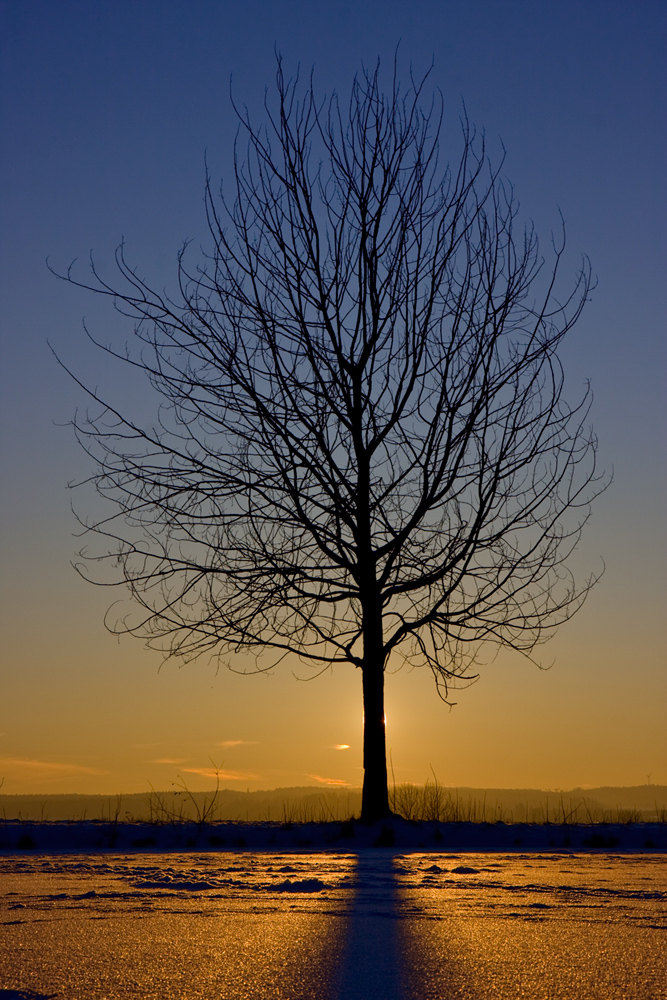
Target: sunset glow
[[108, 115]]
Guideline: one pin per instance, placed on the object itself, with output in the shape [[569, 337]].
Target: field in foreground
[[375, 925], [347, 836]]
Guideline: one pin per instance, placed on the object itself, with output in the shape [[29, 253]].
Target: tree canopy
[[363, 447]]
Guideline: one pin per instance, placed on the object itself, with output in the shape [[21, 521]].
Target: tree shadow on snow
[[370, 962], [25, 995]]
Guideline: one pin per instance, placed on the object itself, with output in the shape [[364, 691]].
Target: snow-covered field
[[333, 923], [335, 836]]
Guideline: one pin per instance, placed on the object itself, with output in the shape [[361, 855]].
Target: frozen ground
[[299, 925], [335, 836]]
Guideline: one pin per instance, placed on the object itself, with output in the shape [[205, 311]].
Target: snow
[[311, 914], [394, 833]]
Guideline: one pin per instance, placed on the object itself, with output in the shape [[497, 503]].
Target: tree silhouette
[[363, 449]]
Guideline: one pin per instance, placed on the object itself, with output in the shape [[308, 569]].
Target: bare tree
[[363, 448]]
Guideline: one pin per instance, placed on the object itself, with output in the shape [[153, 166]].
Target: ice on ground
[[330, 912], [334, 926]]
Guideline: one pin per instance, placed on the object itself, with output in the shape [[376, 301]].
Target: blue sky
[[107, 112]]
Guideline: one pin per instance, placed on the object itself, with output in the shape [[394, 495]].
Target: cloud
[[340, 746], [169, 760], [211, 772], [328, 781], [24, 766], [228, 744]]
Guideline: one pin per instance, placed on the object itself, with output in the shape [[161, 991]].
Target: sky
[[108, 110]]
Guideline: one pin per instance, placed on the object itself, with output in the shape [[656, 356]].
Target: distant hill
[[310, 803]]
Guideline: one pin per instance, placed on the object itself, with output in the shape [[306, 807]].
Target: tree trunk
[[375, 797]]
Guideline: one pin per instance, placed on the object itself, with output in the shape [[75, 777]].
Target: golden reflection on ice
[[375, 926], [590, 928], [75, 932]]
